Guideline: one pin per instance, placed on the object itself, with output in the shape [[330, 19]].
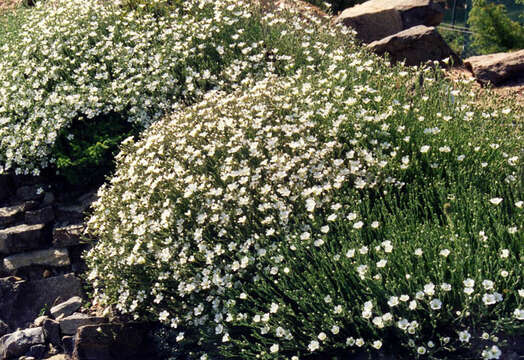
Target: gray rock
[[19, 342], [11, 214], [22, 301], [67, 307], [52, 331], [4, 328], [415, 45], [40, 216], [66, 236], [48, 257], [112, 342], [75, 212], [20, 238], [37, 351], [376, 19], [497, 68], [70, 324], [31, 192]]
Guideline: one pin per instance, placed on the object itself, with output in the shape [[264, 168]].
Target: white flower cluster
[[252, 209], [81, 59]]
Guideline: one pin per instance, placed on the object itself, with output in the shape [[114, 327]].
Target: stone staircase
[[41, 294]]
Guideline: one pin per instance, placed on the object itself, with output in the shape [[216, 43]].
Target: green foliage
[[493, 30], [85, 153], [344, 205]]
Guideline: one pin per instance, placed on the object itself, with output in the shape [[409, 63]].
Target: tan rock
[[415, 45], [48, 257], [377, 19], [497, 68]]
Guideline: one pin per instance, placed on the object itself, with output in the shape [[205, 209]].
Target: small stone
[[67, 307], [68, 343], [39, 320], [70, 324], [19, 342], [52, 331], [4, 328], [40, 216], [37, 351], [48, 257], [11, 214], [20, 238], [67, 236]]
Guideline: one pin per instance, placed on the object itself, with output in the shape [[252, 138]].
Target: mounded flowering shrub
[[346, 207], [76, 77]]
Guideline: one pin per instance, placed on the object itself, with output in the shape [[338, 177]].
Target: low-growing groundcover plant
[[346, 206], [76, 77]]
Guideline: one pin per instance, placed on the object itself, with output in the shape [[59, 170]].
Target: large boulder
[[376, 19], [415, 45], [497, 68], [22, 301], [19, 342]]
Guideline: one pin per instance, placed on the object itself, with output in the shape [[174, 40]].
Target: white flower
[[504, 253], [492, 353], [464, 336], [313, 345], [163, 316], [444, 252], [393, 301], [359, 342], [358, 225], [519, 204], [424, 149], [335, 329], [274, 348], [274, 308], [445, 287], [310, 205], [489, 299], [519, 314], [488, 284], [495, 200], [435, 304], [377, 344], [418, 252], [421, 350], [469, 282], [322, 336], [180, 337], [382, 263]]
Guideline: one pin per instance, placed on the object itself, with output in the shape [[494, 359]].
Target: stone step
[[48, 257], [66, 236], [21, 238], [11, 214]]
